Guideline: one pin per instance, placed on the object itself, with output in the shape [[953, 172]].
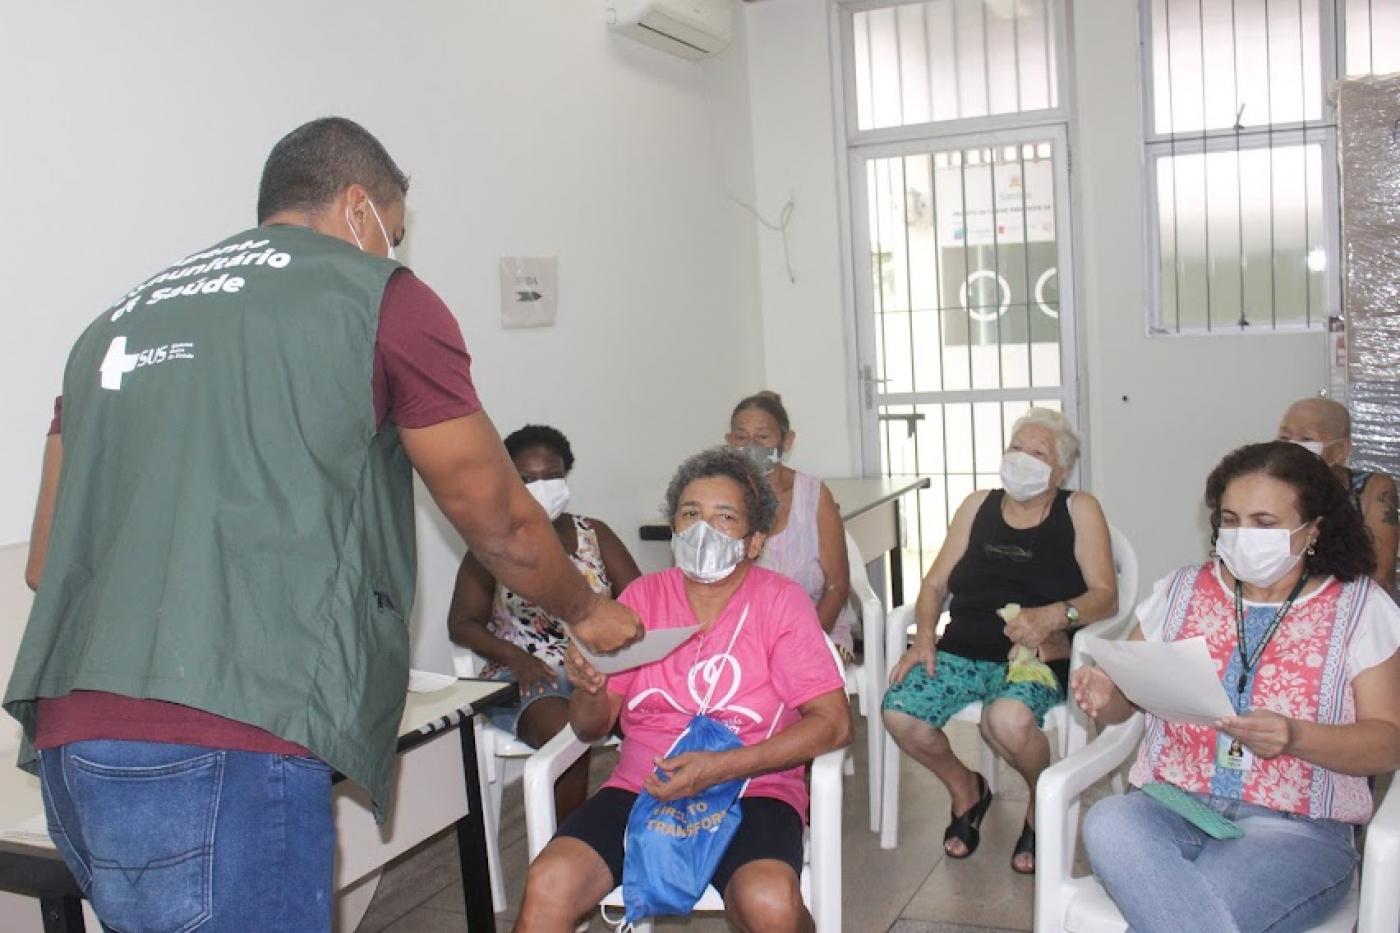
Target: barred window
[[944, 60], [1241, 150]]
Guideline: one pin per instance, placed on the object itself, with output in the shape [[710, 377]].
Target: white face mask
[[551, 494], [1023, 476], [706, 554], [1258, 556], [1315, 447], [763, 459], [381, 230]]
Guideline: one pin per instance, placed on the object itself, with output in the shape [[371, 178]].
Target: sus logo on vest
[[117, 363]]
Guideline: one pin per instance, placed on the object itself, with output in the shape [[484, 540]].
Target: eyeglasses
[[1011, 552]]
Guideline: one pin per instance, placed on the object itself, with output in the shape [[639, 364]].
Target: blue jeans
[[176, 838], [1288, 872]]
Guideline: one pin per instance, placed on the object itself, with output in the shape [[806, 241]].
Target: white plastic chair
[[867, 679], [1081, 905], [1069, 725], [821, 870], [1380, 865]]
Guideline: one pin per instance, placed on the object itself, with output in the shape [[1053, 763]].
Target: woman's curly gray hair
[[759, 500]]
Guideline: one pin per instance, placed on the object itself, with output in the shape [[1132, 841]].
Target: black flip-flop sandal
[[1024, 846], [967, 828]]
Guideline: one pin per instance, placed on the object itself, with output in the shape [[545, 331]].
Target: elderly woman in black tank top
[[1032, 544]]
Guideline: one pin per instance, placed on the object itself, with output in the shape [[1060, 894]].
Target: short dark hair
[[769, 402], [316, 161], [1343, 547], [541, 435], [759, 499]]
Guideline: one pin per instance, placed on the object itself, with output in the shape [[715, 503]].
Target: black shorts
[[770, 828]]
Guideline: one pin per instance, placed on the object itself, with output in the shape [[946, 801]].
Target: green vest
[[233, 531]]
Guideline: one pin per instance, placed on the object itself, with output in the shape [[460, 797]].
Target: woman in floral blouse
[[520, 641], [1305, 645]]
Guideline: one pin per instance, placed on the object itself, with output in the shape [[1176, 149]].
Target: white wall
[[1189, 400], [805, 322], [133, 133]]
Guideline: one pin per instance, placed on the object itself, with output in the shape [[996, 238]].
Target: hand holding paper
[[1262, 731], [655, 645], [1175, 681]]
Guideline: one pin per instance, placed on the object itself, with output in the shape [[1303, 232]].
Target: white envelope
[[1175, 680], [653, 647]]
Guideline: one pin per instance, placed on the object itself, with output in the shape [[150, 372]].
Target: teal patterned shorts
[[957, 682]]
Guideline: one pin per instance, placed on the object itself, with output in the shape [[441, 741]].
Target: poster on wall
[[529, 291], [1022, 209]]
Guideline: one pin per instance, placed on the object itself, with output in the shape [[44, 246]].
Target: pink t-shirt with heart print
[[756, 675]]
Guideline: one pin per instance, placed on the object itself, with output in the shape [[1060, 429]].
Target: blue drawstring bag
[[673, 848]]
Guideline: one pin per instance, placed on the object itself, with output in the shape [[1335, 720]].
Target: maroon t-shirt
[[422, 376]]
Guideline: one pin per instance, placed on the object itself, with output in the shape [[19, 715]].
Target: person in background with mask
[[1305, 645], [1031, 543], [1323, 426], [519, 640], [763, 665], [808, 540], [220, 616]]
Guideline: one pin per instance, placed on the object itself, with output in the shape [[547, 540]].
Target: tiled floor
[[911, 889]]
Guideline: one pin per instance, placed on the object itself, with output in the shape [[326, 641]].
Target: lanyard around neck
[[1250, 658]]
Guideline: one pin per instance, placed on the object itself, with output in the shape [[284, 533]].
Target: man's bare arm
[[466, 468], [43, 510], [1378, 509]]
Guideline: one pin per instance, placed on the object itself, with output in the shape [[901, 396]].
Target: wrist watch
[[1071, 613]]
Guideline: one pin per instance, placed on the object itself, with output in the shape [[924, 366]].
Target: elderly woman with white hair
[[1030, 544]]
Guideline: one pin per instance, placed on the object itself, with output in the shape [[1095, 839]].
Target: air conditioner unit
[[692, 29]]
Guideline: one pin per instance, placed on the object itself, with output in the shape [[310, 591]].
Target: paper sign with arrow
[[529, 291]]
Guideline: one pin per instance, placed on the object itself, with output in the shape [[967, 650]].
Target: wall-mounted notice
[[529, 291]]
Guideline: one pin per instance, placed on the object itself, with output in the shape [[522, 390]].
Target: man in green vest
[[222, 615]]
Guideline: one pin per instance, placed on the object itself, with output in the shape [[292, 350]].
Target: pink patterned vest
[[1302, 674]]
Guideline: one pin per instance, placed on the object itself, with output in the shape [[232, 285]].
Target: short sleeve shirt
[[1375, 638], [762, 659]]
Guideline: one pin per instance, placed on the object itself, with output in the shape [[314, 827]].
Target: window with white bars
[[1242, 155], [947, 60], [1372, 37]]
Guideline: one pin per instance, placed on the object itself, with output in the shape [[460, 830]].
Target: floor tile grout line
[[419, 905], [938, 859]]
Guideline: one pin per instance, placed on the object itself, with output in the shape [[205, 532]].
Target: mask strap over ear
[[351, 225], [382, 229]]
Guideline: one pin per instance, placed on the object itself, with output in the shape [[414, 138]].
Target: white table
[[436, 786], [870, 508]]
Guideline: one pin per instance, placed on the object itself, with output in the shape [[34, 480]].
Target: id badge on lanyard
[[1231, 754]]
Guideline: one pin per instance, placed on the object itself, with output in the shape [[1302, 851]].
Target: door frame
[[865, 343]]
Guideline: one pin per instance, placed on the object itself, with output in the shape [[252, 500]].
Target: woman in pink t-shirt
[[760, 664]]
